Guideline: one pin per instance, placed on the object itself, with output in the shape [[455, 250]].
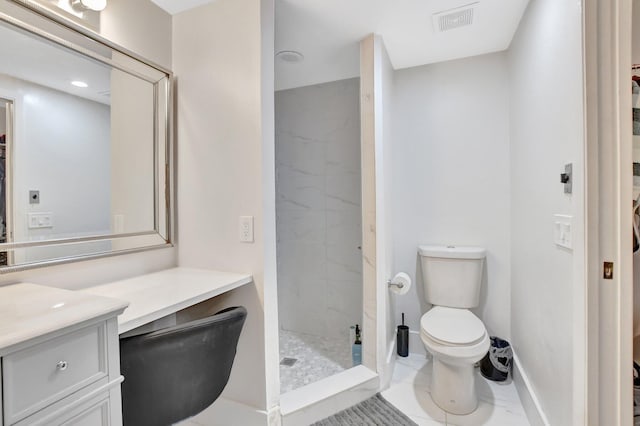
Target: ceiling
[[38, 61], [177, 6], [328, 32]]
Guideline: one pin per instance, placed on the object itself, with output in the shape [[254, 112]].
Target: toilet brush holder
[[402, 341]]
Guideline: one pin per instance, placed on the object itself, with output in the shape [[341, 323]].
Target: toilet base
[[453, 387]]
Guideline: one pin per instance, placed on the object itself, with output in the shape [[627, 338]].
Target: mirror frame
[[43, 22]]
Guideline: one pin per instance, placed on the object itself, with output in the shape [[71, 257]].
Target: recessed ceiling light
[[79, 83], [290, 56]]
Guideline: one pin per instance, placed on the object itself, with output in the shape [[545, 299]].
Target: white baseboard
[[528, 397], [390, 364], [326, 397], [391, 353]]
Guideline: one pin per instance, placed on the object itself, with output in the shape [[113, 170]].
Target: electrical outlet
[[246, 229]]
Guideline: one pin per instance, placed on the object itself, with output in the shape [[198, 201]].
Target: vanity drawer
[[93, 412], [96, 415], [36, 377]]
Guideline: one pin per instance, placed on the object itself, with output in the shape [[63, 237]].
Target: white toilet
[[456, 338]]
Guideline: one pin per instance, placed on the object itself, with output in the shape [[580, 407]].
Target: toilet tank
[[452, 276]]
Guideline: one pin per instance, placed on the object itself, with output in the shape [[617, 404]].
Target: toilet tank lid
[[453, 252]]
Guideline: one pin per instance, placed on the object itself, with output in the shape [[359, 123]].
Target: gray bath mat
[[375, 411]]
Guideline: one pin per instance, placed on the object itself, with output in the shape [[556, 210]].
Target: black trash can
[[497, 362]]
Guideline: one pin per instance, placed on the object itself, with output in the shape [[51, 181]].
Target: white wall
[[318, 206], [546, 98], [376, 94], [217, 62], [451, 175], [61, 148], [270, 293], [147, 37], [140, 26], [385, 256], [132, 154], [383, 75]]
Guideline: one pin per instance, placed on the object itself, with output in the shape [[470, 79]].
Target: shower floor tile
[[316, 358]]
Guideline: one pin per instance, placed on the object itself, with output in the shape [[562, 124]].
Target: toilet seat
[[452, 326]]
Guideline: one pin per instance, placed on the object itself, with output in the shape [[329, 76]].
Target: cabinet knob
[[62, 365]]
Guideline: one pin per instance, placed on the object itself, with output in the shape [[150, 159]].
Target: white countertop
[[159, 294], [28, 311]]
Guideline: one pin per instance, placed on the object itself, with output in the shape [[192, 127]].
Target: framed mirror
[[85, 145]]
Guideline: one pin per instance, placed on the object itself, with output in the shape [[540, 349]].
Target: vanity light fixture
[[96, 5], [79, 83]]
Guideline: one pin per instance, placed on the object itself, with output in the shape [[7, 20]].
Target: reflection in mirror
[[83, 149], [6, 107]]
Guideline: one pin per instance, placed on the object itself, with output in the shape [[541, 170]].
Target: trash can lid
[[452, 326]]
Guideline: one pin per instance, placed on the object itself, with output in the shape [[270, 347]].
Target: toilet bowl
[[457, 339]]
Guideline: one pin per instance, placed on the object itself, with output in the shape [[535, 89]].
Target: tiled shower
[[318, 214]]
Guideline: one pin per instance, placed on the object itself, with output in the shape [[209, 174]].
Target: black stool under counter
[[175, 373]]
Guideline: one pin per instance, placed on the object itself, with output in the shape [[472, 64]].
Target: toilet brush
[[403, 339]]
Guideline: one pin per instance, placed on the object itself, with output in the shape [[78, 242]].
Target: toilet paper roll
[[400, 284]]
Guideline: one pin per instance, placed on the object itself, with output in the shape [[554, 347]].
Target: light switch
[[40, 220], [562, 230]]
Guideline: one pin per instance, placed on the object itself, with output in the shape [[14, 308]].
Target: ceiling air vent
[[454, 18]]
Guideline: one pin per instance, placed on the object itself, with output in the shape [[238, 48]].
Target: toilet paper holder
[[400, 283], [390, 283]]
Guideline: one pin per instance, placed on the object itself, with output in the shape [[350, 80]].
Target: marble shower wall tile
[[302, 261], [308, 302], [302, 156], [342, 296], [343, 193], [344, 228], [299, 191], [344, 263], [318, 212], [304, 225]]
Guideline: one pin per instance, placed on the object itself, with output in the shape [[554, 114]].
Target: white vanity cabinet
[[59, 356]]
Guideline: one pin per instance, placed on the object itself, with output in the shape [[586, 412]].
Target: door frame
[[608, 390], [10, 108]]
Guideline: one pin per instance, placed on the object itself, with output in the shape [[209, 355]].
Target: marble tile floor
[[409, 392], [317, 358]]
